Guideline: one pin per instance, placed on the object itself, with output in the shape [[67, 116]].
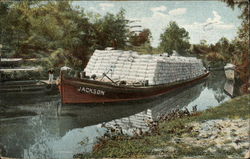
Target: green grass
[[123, 147]]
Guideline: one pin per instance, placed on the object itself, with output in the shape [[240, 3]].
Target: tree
[[4, 7], [243, 32], [142, 38], [111, 31], [242, 42], [174, 38], [222, 46], [9, 35], [58, 33]]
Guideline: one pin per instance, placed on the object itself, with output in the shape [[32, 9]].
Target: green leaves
[[141, 38], [174, 38], [47, 29], [111, 31]]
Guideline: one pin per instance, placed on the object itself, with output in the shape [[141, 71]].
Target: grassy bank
[[161, 141]]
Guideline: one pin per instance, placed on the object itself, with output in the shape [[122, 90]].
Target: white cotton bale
[[106, 59], [121, 58], [151, 66], [90, 66], [125, 57], [137, 60], [116, 52], [151, 83], [142, 72], [133, 68], [143, 64], [130, 78], [164, 69], [138, 78], [116, 78], [127, 69], [135, 54], [126, 63], [144, 56], [126, 74], [97, 52], [92, 59], [147, 75]]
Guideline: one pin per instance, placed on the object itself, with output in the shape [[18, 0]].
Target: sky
[[204, 20]]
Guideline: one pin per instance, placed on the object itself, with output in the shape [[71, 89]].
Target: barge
[[116, 75]]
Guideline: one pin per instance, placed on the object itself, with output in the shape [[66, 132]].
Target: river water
[[35, 125]]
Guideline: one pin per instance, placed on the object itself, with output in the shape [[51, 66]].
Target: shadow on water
[[216, 84], [91, 114], [41, 128]]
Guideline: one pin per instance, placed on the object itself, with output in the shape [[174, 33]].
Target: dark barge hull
[[88, 91]]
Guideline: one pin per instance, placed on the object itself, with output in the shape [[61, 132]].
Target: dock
[[55, 82], [20, 69]]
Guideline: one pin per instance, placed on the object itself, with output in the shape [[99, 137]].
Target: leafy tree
[[242, 41], [52, 28], [243, 32], [174, 38], [142, 38], [4, 7], [58, 33], [111, 31], [9, 27], [222, 44]]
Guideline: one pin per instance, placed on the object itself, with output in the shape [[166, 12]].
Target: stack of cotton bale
[[138, 69], [172, 69], [101, 61], [97, 62], [120, 65], [131, 67]]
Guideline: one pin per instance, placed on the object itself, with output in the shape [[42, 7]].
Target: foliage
[[243, 32], [145, 48], [111, 30], [58, 33], [223, 51], [174, 38], [235, 51], [243, 41], [142, 38], [214, 56], [22, 75]]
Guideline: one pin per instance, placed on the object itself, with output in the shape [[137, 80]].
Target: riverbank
[[219, 132]]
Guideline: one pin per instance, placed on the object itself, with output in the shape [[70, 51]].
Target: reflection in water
[[50, 144], [213, 93], [216, 83], [164, 105], [45, 130], [229, 87], [40, 137]]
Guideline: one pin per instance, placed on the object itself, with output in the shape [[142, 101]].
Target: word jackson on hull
[[116, 75]]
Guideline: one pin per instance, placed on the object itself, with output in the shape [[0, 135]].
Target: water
[[35, 126]]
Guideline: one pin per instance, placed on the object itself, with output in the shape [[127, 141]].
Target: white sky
[[209, 20]]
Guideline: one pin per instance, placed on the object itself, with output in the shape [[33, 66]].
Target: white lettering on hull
[[91, 91]]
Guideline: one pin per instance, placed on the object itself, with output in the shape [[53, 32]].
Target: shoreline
[[218, 132]]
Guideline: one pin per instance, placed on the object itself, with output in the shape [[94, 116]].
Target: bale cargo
[[132, 67]]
